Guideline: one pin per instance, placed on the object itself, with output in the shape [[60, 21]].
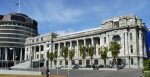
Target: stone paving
[[100, 73]]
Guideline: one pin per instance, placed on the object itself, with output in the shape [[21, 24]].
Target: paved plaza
[[100, 73], [94, 73]]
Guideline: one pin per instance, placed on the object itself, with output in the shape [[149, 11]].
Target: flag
[[18, 3]]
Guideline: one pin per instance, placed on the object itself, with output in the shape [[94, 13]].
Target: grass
[[30, 76]]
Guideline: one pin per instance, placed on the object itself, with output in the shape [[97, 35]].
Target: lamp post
[[11, 49], [68, 63], [57, 63], [47, 67], [47, 62]]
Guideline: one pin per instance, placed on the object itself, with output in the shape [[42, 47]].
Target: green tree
[[103, 53], [90, 52], [83, 52], [64, 53], [114, 48], [71, 55], [55, 58], [51, 57]]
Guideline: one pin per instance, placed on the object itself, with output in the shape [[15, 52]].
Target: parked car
[[100, 66], [76, 66], [93, 66]]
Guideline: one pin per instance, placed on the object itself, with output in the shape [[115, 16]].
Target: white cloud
[[64, 32], [54, 11]]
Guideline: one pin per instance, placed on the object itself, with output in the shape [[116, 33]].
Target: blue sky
[[65, 16]]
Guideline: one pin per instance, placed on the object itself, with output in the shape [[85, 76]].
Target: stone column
[[0, 54], [58, 49], [141, 50], [54, 47], [77, 52], [13, 54], [39, 52], [127, 49], [140, 44], [100, 41], [124, 44], [64, 44], [6, 52], [92, 44], [92, 41], [84, 42], [21, 55], [70, 44], [58, 53]]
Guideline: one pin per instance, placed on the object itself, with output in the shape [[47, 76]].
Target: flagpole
[[18, 6]]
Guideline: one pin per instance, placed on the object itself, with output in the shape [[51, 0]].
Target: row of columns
[[75, 44], [36, 50], [6, 52]]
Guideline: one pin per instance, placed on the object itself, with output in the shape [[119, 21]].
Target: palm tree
[[90, 52], [103, 53], [55, 58], [64, 53], [83, 52], [114, 48], [51, 57], [71, 55]]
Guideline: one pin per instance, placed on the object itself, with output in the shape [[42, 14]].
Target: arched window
[[116, 38]]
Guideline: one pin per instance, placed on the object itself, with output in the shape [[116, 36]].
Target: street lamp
[[11, 50], [47, 67], [57, 63], [68, 63], [47, 63]]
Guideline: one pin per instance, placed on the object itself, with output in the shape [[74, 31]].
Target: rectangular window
[[32, 40], [66, 62], [42, 48], [27, 57], [73, 62], [132, 61], [80, 62], [42, 56], [116, 24], [32, 48], [42, 39], [104, 39], [131, 48], [37, 39], [60, 62], [130, 36], [37, 48], [47, 45], [27, 49], [87, 62], [96, 62]]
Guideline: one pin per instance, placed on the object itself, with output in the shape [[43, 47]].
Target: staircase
[[29, 64]]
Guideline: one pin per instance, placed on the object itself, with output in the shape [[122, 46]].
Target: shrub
[[147, 65], [146, 68]]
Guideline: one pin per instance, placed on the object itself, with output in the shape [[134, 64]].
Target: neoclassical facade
[[126, 30]]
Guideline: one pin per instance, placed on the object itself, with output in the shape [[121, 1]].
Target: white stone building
[[127, 30]]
